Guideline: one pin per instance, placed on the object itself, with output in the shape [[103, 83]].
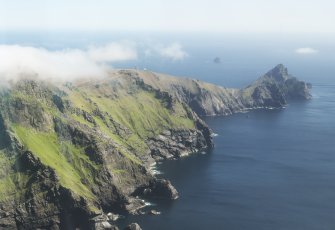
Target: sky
[[56, 56], [258, 16]]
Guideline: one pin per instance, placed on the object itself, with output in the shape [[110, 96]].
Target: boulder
[[160, 188], [113, 217], [154, 212], [133, 226]]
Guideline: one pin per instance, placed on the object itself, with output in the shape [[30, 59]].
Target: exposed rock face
[[176, 143], [158, 188], [133, 226], [102, 222], [41, 199], [69, 153], [273, 89]]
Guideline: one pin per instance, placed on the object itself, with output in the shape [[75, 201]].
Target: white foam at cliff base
[[147, 203]]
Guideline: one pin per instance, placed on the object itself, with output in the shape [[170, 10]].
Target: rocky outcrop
[[102, 222], [154, 212], [176, 143], [158, 188], [133, 226], [274, 89]]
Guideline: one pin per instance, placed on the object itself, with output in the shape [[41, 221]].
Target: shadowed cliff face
[[4, 138], [274, 89], [69, 152]]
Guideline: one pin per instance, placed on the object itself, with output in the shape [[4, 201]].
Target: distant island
[[79, 154], [217, 60]]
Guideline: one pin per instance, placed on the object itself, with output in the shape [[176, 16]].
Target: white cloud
[[18, 61], [306, 50], [174, 51], [113, 52], [64, 65]]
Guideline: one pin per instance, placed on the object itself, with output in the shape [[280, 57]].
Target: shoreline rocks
[[133, 226], [158, 188], [154, 212]]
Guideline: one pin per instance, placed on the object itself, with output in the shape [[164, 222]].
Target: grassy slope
[[49, 150], [9, 180], [73, 168], [139, 111]]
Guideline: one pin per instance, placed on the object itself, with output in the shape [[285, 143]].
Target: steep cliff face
[[69, 152], [274, 89]]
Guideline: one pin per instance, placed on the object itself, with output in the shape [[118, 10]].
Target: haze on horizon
[[238, 16], [287, 31]]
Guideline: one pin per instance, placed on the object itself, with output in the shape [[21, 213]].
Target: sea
[[269, 169]]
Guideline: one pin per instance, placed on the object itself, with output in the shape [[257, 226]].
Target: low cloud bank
[[306, 50], [65, 65], [113, 52], [174, 51], [17, 61]]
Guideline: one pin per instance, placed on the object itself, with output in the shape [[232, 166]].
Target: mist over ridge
[[69, 64]]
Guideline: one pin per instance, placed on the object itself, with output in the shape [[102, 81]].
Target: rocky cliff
[[71, 152], [274, 89]]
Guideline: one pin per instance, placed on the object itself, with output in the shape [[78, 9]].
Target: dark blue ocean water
[[270, 169]]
